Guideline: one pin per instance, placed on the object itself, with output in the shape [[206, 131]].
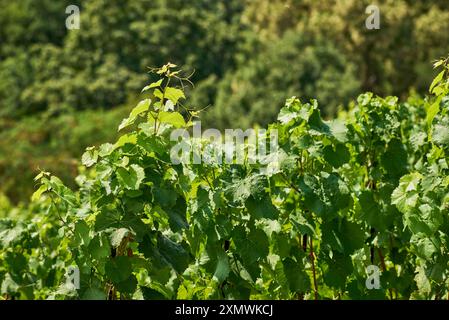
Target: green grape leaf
[[222, 269], [99, 247], [174, 94], [298, 279], [118, 269], [90, 157], [141, 107], [153, 85], [174, 253], [132, 177], [173, 118]]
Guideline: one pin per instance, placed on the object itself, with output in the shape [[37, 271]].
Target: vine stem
[[384, 267], [312, 257], [304, 242], [156, 125], [64, 222], [382, 259]]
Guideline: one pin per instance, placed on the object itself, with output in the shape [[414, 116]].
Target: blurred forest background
[[63, 90]]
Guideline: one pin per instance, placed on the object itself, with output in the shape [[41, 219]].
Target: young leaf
[[153, 85], [174, 94], [437, 80], [173, 118], [141, 107]]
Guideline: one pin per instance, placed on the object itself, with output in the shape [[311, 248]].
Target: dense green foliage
[[370, 188], [247, 56]]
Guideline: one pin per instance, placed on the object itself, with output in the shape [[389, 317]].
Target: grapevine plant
[[368, 188]]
